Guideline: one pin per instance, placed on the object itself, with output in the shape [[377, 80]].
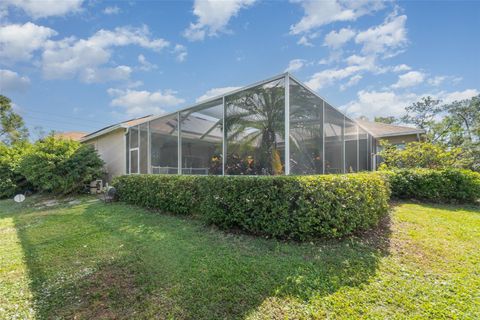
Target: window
[[134, 154]]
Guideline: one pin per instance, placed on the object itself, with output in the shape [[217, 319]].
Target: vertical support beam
[[323, 140], [287, 124], [179, 139], [343, 140], [358, 148], [224, 137], [149, 149], [127, 150], [138, 149]]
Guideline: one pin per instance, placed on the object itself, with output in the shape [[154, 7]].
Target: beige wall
[[399, 139], [111, 148]]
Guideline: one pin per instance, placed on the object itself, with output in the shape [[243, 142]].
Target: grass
[[88, 260]]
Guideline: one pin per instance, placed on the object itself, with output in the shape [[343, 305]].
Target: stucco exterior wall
[[401, 139], [396, 140], [111, 148]]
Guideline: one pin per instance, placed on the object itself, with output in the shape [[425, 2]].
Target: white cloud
[[436, 81], [44, 8], [319, 13], [385, 38], [213, 17], [409, 79], [359, 60], [140, 103], [12, 81], [111, 10], [19, 41], [305, 41], [355, 65], [145, 65], [295, 65], [379, 103], [351, 82], [388, 103], [215, 92], [86, 58], [336, 39], [401, 67], [181, 52], [123, 36], [448, 97], [329, 76], [95, 75]]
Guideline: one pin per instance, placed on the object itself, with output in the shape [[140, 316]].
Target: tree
[[364, 118], [11, 180], [422, 155], [451, 126], [423, 114], [12, 127], [387, 120], [255, 122], [60, 166], [463, 118]]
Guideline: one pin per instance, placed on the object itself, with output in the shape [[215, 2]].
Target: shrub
[[11, 180], [449, 185], [420, 154], [300, 207], [60, 166]]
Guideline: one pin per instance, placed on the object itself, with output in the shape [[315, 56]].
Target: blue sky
[[81, 65]]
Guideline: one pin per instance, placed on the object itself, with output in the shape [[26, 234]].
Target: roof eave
[[397, 134], [103, 132]]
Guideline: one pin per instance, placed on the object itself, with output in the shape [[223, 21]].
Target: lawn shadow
[[148, 265]]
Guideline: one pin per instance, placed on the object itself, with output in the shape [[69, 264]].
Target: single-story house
[[243, 132]]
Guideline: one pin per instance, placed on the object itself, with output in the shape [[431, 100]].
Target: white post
[[179, 139], [287, 124], [149, 149], [343, 140], [224, 137], [323, 140]]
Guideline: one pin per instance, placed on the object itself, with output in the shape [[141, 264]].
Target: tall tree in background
[[451, 126], [424, 114], [12, 127], [387, 120], [464, 123]]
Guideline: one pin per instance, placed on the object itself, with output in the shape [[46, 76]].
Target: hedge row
[[300, 207], [449, 185]]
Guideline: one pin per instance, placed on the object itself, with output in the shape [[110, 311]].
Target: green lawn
[[94, 260]]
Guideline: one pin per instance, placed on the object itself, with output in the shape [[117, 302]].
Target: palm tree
[[255, 127]]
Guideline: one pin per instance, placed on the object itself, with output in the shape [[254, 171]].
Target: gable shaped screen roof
[[198, 123]]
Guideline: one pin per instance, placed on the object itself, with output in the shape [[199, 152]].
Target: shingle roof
[[123, 124], [72, 135], [381, 130]]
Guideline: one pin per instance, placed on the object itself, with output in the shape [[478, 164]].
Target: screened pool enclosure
[[274, 127]]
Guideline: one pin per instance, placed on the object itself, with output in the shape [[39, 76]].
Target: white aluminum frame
[[287, 80], [287, 124]]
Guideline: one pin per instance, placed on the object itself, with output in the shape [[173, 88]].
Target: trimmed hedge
[[300, 207], [449, 185]]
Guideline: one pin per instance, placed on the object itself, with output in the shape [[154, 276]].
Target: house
[[243, 132]]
